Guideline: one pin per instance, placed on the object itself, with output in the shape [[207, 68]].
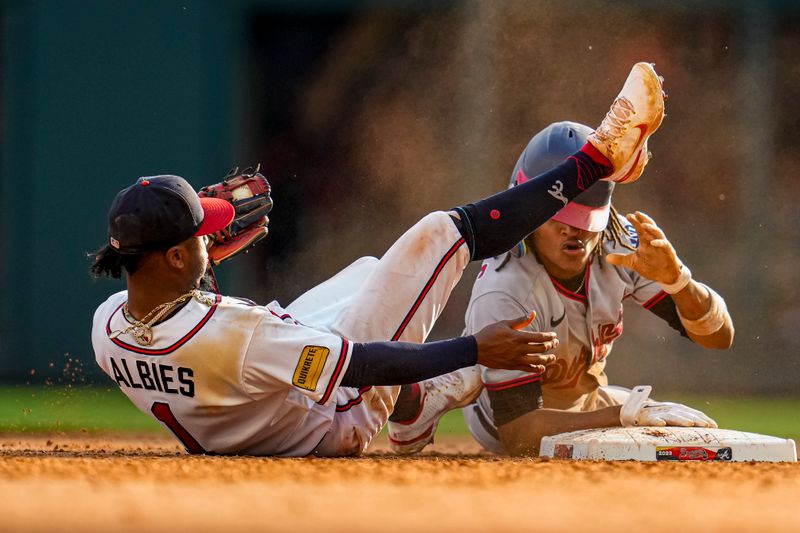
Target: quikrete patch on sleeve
[[310, 367]]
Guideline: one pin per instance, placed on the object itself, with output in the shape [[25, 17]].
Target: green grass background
[[46, 409]]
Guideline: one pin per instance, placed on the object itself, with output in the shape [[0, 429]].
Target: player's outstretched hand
[[673, 414], [655, 258], [503, 345]]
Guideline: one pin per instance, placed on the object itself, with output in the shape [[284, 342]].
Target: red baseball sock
[[596, 156]]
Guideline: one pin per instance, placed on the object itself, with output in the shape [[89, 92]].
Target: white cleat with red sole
[[437, 396]]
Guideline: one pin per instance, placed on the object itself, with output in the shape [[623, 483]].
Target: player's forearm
[[402, 363], [499, 345], [693, 302], [523, 436]]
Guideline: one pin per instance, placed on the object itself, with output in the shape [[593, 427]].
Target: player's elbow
[[727, 341], [518, 448], [722, 339], [731, 331], [518, 440]]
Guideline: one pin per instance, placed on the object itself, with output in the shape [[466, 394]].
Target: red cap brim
[[583, 216], [218, 213]]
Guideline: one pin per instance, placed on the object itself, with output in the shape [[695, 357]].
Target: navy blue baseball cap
[[157, 212], [589, 210]]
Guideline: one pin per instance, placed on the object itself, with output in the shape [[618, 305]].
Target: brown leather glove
[[249, 192]]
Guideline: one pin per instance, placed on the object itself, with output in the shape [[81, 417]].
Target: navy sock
[[496, 224]]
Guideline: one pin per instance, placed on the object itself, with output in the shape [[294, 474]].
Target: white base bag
[[668, 444]]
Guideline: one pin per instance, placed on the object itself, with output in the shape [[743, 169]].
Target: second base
[[668, 444]]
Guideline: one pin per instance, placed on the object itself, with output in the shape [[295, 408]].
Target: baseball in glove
[[249, 192]]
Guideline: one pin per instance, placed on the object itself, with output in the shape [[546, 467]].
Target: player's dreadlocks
[[107, 262], [614, 232]]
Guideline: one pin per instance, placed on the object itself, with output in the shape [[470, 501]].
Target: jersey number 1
[[164, 414]]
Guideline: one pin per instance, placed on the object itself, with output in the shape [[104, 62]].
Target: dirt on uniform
[[115, 483]]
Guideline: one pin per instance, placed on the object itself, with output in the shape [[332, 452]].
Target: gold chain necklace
[[142, 330], [564, 283], [578, 290]]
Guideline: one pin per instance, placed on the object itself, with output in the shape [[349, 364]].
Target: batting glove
[[639, 410]]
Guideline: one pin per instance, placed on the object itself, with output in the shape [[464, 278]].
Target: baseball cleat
[[640, 161], [635, 115], [438, 396]]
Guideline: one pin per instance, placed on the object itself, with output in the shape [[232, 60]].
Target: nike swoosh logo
[[643, 132], [643, 129], [554, 323], [630, 172]]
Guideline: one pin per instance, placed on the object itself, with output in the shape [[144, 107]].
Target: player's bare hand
[[655, 258], [504, 345]]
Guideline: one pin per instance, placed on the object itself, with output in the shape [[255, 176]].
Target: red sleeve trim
[[654, 300], [518, 382], [336, 372]]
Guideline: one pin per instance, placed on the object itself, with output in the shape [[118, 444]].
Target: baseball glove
[[249, 192]]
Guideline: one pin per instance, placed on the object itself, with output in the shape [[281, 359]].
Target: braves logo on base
[[693, 453]]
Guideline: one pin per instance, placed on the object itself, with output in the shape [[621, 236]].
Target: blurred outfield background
[[366, 115]]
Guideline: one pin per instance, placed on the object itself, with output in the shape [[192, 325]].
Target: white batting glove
[[639, 410], [673, 414]]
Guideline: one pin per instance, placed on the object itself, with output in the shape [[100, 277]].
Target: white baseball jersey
[[231, 377], [586, 325], [240, 378]]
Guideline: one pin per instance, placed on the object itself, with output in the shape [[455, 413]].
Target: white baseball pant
[[397, 297]]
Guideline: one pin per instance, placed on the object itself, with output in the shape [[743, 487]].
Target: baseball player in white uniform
[[575, 272], [321, 376]]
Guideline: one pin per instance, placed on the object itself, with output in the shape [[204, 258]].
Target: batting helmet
[[589, 210]]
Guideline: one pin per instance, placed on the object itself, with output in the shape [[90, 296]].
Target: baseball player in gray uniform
[[321, 375], [574, 272]]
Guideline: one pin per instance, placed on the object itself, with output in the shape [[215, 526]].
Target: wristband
[[633, 404], [712, 321], [683, 280]]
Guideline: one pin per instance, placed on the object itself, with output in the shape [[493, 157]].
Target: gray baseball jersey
[[587, 325]]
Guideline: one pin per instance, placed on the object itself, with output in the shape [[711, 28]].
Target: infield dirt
[[145, 483]]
